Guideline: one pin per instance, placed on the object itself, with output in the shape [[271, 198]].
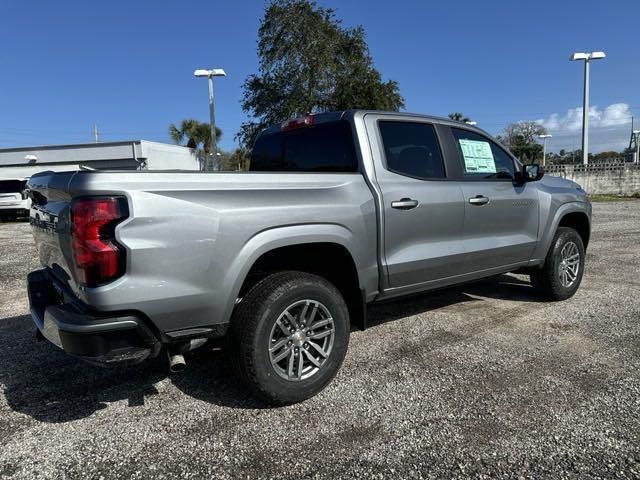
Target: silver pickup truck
[[337, 211]]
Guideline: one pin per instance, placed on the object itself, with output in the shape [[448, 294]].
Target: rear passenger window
[[411, 149], [326, 147], [266, 155], [482, 158]]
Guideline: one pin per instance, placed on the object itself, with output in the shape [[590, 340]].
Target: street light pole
[[212, 163], [587, 57], [585, 114], [544, 147], [212, 126]]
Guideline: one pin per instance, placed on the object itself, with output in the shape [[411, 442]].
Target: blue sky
[[128, 66]]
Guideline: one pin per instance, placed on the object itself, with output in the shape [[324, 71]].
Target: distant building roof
[[82, 152], [124, 155]]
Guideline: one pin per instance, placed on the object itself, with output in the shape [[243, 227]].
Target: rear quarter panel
[[192, 237]]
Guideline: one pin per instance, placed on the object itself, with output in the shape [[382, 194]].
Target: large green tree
[[310, 63], [196, 135], [238, 160], [521, 138]]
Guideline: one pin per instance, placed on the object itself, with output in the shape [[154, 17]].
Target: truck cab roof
[[349, 115]]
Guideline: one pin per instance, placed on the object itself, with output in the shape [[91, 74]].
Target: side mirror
[[532, 172]]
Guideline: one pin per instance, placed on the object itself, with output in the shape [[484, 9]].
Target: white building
[[22, 162]]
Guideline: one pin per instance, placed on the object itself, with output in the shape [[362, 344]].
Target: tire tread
[[545, 280], [245, 321]]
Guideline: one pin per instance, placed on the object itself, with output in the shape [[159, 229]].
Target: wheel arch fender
[[286, 236], [578, 210]]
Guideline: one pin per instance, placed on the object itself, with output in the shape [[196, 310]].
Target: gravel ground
[[478, 381]]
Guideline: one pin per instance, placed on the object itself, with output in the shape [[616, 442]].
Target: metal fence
[[615, 178], [563, 170]]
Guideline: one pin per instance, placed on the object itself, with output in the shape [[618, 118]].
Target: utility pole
[[587, 57], [544, 148], [634, 147], [95, 133], [585, 115], [215, 72]]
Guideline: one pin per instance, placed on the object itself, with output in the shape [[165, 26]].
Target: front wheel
[[289, 336], [563, 268]]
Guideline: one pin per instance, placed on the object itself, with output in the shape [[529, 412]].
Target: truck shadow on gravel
[[49, 386], [503, 287]]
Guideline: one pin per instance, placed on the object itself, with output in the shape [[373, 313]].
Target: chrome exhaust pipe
[[176, 362], [176, 351]]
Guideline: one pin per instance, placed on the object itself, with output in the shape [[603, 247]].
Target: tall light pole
[[587, 57], [544, 147], [637, 136], [214, 72]]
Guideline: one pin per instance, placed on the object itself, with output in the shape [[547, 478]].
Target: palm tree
[[196, 134], [459, 117]]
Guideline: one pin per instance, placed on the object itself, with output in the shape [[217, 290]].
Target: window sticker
[[478, 157]]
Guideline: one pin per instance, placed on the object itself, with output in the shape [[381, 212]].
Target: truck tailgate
[[49, 218]]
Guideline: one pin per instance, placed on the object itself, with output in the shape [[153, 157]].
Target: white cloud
[[609, 128], [614, 115]]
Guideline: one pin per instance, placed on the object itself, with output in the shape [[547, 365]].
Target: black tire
[[253, 326], [548, 280]]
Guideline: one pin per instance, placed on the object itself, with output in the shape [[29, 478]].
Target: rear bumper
[[14, 207], [111, 340], [13, 211]]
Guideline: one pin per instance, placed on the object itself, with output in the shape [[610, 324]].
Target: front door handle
[[404, 204], [479, 200]]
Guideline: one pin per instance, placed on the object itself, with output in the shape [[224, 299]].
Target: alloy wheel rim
[[301, 340], [569, 264]]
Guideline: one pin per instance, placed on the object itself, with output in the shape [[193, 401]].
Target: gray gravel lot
[[481, 380]]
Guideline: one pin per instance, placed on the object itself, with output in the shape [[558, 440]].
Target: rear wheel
[[563, 268], [289, 336]]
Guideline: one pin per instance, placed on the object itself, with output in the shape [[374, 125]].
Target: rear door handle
[[479, 200], [404, 204]]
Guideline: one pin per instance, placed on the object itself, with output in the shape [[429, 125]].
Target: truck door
[[501, 216], [422, 207]]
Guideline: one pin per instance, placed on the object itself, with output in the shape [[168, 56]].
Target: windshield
[[12, 186]]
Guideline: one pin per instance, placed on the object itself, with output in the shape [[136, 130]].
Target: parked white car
[[14, 200]]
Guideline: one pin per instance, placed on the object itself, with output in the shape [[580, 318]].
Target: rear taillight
[[96, 255]]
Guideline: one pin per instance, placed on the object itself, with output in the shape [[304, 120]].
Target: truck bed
[[191, 236]]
